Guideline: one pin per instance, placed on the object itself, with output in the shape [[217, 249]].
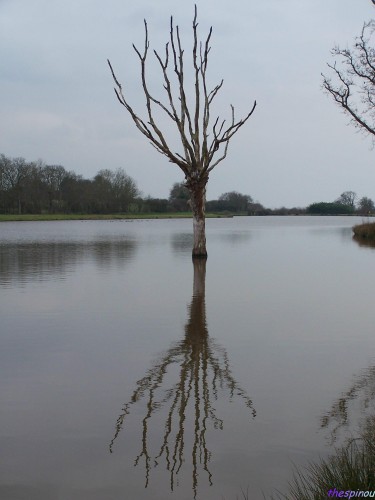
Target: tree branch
[[355, 78], [224, 137]]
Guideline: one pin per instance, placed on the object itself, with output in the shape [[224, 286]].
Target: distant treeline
[[35, 188]]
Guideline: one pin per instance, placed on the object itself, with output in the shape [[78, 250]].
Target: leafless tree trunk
[[353, 83], [203, 145]]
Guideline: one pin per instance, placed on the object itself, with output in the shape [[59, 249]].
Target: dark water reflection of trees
[[185, 382], [24, 262]]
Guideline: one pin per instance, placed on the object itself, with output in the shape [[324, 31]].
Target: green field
[[49, 217]]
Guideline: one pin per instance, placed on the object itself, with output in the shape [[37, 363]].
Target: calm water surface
[[128, 373]]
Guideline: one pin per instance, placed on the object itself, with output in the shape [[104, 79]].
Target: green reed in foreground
[[350, 468]]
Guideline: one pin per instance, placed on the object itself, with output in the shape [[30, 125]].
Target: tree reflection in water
[[203, 371], [359, 399]]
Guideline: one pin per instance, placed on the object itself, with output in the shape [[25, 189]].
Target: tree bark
[[197, 191]]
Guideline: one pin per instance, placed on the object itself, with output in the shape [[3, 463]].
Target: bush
[[325, 208]]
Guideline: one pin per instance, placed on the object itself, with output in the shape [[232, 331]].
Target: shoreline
[[151, 216], [66, 217]]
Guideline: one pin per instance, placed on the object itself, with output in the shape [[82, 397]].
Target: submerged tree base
[[199, 255]]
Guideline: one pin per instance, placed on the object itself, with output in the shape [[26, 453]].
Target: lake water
[[128, 373]]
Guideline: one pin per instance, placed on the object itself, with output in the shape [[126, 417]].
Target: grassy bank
[[350, 468], [365, 231], [53, 217]]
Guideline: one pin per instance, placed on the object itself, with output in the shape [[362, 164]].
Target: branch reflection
[[187, 397], [359, 399]]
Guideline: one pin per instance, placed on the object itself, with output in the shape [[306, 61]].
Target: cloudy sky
[[57, 101]]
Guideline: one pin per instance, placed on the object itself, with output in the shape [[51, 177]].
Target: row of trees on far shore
[[34, 187]]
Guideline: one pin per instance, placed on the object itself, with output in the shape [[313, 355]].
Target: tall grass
[[352, 467], [365, 231]]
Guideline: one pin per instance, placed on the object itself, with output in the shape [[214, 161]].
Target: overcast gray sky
[[57, 101]]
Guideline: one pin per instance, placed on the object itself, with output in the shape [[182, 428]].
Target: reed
[[365, 231], [351, 467]]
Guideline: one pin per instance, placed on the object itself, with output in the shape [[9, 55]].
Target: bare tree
[[366, 206], [353, 83], [203, 145], [347, 198]]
